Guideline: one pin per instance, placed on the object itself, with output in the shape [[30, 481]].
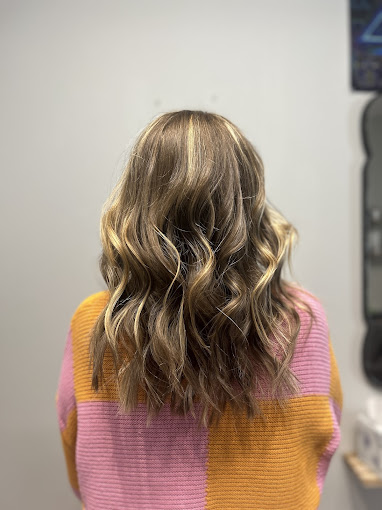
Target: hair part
[[192, 254]]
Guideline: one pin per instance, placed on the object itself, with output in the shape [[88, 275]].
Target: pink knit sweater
[[114, 462]]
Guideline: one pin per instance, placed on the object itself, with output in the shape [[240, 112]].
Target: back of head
[[192, 257]]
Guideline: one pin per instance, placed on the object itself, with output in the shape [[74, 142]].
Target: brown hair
[[192, 257]]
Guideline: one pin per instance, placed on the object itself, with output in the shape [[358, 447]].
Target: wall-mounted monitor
[[366, 44]]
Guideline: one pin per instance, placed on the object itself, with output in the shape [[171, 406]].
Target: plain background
[[79, 79]]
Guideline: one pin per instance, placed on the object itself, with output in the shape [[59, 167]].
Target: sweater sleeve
[[335, 395], [66, 408], [335, 398]]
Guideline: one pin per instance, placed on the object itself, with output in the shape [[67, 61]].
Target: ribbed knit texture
[[114, 462]]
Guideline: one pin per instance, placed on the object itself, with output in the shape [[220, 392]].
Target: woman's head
[[192, 257]]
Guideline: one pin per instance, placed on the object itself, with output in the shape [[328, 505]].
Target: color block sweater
[[115, 462]]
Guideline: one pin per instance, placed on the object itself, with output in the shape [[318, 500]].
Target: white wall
[[79, 79]]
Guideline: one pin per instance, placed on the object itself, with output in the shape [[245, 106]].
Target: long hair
[[192, 258]]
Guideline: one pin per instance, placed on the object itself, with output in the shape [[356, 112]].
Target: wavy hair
[[192, 253]]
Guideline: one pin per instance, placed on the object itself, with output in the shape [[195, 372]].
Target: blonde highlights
[[192, 257]]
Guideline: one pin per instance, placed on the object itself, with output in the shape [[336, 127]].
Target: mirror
[[372, 240]]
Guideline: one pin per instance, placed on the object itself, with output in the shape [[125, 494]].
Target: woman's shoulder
[[306, 297], [90, 307], [311, 360]]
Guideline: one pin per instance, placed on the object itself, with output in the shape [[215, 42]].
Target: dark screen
[[366, 38]]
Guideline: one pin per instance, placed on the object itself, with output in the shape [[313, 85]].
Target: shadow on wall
[[363, 498]]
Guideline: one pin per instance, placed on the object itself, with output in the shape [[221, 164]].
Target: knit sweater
[[115, 462]]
